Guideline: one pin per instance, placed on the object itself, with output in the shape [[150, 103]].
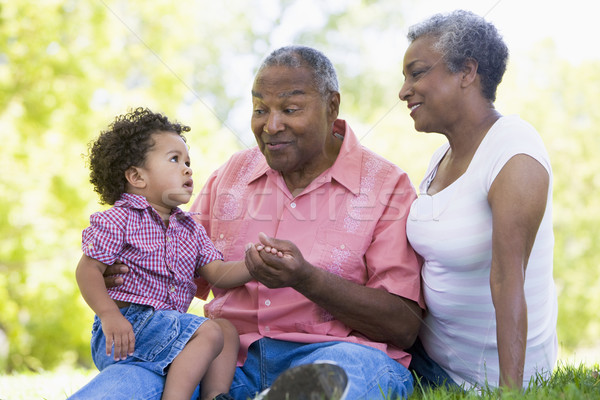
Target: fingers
[[124, 345], [116, 269], [269, 245], [110, 278], [131, 346]]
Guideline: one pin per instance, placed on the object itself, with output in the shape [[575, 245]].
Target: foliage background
[[68, 67]]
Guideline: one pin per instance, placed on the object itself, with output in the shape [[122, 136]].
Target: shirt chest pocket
[[341, 253]]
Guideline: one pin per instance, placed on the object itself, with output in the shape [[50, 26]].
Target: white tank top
[[452, 230]]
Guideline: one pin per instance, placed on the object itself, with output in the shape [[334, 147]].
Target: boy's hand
[[267, 248], [118, 332]]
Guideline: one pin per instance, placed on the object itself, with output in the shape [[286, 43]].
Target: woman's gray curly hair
[[463, 35], [296, 56]]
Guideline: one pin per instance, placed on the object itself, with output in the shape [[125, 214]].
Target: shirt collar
[[139, 202], [347, 167]]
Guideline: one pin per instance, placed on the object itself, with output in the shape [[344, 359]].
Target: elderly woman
[[482, 221]]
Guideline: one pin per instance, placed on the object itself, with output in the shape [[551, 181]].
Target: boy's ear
[[135, 177]]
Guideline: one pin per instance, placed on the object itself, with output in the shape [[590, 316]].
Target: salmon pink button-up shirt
[[350, 221]]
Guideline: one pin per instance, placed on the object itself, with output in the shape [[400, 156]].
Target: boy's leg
[[191, 364], [220, 373]]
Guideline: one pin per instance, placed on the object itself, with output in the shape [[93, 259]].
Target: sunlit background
[[67, 67]]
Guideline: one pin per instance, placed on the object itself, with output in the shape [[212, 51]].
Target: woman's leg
[[192, 363]]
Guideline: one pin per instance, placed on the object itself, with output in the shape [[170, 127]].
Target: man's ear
[[469, 72], [135, 177], [333, 105]]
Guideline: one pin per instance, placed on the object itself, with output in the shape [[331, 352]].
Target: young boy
[[141, 166]]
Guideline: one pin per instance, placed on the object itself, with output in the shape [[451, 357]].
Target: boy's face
[[166, 172]]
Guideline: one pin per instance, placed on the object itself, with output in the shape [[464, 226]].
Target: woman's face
[[431, 91]]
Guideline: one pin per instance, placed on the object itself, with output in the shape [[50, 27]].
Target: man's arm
[[375, 313]]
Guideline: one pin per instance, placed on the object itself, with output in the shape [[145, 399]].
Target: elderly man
[[345, 285]]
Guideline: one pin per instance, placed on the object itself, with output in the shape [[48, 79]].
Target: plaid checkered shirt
[[163, 261]]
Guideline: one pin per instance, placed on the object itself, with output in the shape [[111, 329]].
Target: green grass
[[568, 382]]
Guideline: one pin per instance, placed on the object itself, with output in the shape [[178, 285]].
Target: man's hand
[[276, 263], [110, 275]]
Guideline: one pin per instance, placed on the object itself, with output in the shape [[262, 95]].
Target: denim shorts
[[159, 337]]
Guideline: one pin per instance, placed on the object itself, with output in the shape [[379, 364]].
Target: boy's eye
[[175, 158]]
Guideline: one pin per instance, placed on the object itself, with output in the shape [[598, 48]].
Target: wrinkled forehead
[[284, 81]]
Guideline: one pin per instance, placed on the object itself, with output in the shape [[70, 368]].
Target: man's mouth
[[276, 145]]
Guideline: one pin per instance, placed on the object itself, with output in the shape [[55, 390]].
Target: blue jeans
[[428, 372], [159, 337], [371, 373]]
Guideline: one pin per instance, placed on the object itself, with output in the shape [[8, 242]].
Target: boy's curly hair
[[125, 144]]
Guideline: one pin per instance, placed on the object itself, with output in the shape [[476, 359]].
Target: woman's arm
[[116, 328], [517, 198]]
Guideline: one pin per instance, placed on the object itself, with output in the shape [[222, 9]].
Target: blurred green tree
[[68, 67]]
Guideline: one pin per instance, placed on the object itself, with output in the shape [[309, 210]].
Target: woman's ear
[[469, 72], [135, 177]]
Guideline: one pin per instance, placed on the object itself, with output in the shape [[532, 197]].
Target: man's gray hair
[[295, 56]]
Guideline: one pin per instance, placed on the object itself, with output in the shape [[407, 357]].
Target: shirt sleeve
[[513, 137], [208, 252], [104, 239], [392, 263]]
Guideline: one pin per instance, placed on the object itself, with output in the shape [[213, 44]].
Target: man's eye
[[259, 111], [290, 110]]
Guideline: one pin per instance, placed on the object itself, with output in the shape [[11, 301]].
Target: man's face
[[291, 120]]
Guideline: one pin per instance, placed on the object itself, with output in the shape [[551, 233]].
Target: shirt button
[[168, 238], [343, 246], [267, 329], [172, 289], [221, 236], [267, 303], [90, 246], [293, 205]]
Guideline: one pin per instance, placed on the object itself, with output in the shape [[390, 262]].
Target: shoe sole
[[321, 381]]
